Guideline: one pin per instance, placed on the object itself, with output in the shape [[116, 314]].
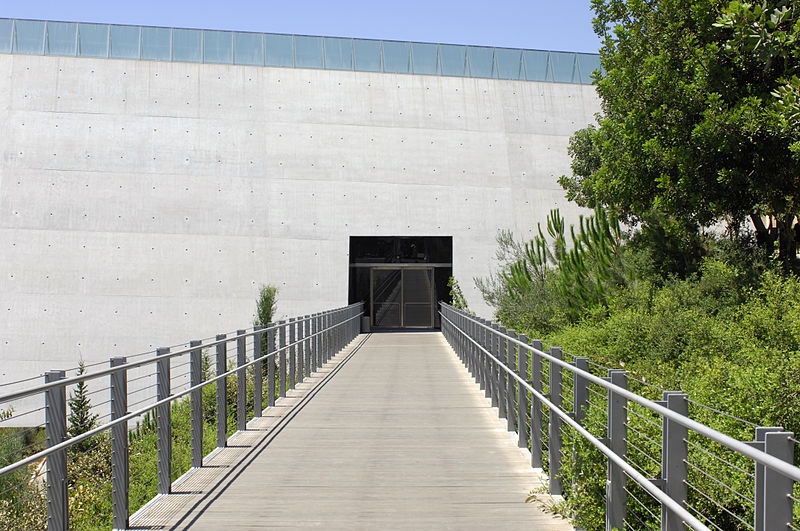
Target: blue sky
[[537, 24]]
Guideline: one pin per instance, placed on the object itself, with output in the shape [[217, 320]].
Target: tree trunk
[[765, 237], [787, 248]]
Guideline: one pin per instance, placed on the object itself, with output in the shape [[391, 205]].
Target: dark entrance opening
[[401, 278]]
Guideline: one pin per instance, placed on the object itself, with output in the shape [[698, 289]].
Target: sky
[[535, 24]]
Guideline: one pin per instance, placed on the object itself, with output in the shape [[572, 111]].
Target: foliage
[[572, 279], [22, 504], [81, 419], [717, 337], [266, 305], [456, 295], [699, 116]]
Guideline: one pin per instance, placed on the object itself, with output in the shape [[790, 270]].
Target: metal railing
[[545, 399], [291, 351]]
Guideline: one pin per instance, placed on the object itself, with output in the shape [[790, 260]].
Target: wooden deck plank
[[392, 434]]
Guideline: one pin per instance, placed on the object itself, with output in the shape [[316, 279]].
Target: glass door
[[386, 294], [418, 298], [402, 297]]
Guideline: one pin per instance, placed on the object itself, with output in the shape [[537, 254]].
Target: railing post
[[674, 456], [325, 337], [616, 497], [500, 353], [258, 372], [776, 503], [271, 362], [307, 349], [282, 358], [536, 406], [222, 402], [522, 394], [315, 340], [338, 331], [554, 425], [480, 368], [301, 350], [120, 471], [163, 422], [241, 381], [580, 404], [511, 362], [292, 352], [494, 375], [580, 392], [56, 432], [471, 348], [196, 402]]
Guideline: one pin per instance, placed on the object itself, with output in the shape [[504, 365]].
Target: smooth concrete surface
[[142, 203], [393, 434]]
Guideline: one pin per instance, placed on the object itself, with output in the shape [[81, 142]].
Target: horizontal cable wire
[[641, 503], [718, 482], [715, 502], [690, 443], [715, 410], [643, 436], [643, 453], [639, 415], [701, 515]]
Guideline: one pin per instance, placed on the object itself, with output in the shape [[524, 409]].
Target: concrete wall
[[142, 203]]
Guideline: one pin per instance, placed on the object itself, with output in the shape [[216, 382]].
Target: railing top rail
[[8, 397], [78, 438], [736, 445]]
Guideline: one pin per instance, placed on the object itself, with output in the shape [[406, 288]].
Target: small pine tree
[[457, 296], [81, 418], [266, 304]]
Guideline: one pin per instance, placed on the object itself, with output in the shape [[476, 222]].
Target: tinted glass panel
[[248, 48], [29, 36], [425, 58], [61, 38], [338, 54], [187, 45], [454, 60], [401, 249], [5, 35], [588, 64], [125, 42], [308, 52], [509, 63], [481, 62], [368, 55], [397, 57], [563, 67], [93, 40], [217, 47], [418, 298], [279, 50], [537, 66], [156, 44], [386, 297]]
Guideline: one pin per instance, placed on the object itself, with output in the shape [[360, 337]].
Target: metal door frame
[[402, 268]]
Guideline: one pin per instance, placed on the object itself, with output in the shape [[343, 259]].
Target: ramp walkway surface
[[393, 433]]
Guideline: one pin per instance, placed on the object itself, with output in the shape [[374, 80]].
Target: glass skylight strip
[[298, 51]]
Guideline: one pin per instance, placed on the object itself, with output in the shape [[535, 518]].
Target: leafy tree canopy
[[700, 115]]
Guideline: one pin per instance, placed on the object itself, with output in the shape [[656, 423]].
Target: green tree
[[456, 295], [266, 305], [81, 418], [699, 116]]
